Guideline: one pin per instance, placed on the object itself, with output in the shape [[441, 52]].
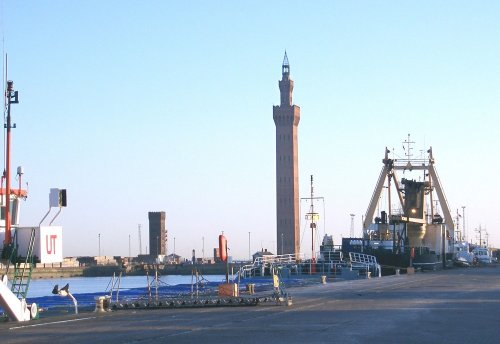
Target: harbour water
[[87, 289], [91, 285]]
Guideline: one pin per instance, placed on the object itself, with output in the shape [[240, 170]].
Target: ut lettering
[[52, 241]]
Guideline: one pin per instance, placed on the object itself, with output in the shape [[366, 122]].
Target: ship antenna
[[409, 148]]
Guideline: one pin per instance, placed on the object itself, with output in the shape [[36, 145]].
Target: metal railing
[[361, 261], [263, 262]]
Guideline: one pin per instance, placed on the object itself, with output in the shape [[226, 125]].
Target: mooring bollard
[[251, 288], [397, 272], [102, 304], [323, 279]]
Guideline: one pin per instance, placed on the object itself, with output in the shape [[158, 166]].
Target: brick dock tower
[[157, 233], [286, 118]]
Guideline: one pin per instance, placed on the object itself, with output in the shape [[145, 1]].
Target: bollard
[[397, 272], [102, 304], [250, 288], [323, 279]]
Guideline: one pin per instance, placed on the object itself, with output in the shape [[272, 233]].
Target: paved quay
[[450, 306]]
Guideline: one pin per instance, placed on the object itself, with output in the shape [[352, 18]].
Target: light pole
[[99, 236], [203, 249], [174, 251], [129, 253], [12, 98], [140, 240], [249, 256], [463, 220], [157, 245], [282, 240]]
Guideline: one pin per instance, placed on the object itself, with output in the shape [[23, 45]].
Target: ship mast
[[313, 217]]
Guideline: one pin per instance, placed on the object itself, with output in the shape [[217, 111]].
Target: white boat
[[483, 255], [462, 255]]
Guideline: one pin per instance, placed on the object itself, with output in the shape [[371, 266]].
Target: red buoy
[[222, 248]]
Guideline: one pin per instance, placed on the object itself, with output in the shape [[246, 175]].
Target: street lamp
[[249, 255], [463, 222], [282, 236], [99, 236]]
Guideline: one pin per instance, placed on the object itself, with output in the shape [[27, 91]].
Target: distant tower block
[[286, 118], [157, 234]]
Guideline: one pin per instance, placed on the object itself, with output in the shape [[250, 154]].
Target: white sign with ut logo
[[50, 241]]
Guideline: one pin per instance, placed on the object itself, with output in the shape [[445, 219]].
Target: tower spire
[[285, 67], [286, 84]]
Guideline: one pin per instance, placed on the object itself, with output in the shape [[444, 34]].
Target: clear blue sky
[[167, 105]]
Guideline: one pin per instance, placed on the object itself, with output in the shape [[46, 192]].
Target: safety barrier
[[365, 262]]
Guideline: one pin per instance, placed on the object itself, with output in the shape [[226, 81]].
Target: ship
[[408, 223]]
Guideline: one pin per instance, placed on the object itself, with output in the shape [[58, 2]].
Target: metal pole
[[463, 222], [352, 225], [99, 236], [75, 303], [227, 266], [443, 238], [203, 249], [312, 249], [8, 96], [249, 256], [129, 253], [140, 240]]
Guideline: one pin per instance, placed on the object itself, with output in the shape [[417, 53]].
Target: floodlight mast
[[11, 97]]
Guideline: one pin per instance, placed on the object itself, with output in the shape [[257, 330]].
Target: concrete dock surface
[[449, 306]]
